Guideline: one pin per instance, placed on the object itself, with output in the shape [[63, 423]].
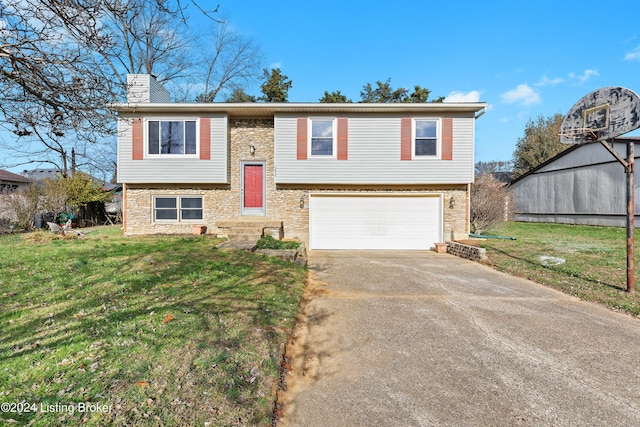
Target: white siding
[[157, 92], [374, 155], [173, 169], [143, 88]]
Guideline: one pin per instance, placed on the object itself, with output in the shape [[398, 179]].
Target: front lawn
[[170, 331], [585, 261]]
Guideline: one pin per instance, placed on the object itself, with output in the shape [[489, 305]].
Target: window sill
[[171, 156]]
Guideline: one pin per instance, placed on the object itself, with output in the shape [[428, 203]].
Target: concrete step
[[248, 229], [249, 222], [244, 237]]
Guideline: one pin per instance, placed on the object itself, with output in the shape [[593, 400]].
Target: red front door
[[253, 186]]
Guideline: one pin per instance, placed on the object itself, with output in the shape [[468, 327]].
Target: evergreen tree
[[335, 97], [385, 93], [540, 142], [276, 86], [240, 95]]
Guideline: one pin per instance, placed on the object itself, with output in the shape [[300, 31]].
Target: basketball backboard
[[601, 115]]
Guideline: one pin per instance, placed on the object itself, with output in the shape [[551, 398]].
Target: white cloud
[[634, 55], [546, 81], [275, 65], [523, 94], [585, 76], [472, 96]]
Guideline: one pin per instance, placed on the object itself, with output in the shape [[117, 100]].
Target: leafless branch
[[63, 61]]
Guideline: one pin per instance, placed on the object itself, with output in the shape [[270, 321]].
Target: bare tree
[[229, 61], [62, 62], [146, 37], [493, 166], [20, 207], [491, 202], [49, 91]]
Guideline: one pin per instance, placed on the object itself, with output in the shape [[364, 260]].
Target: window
[[172, 137], [166, 208], [8, 188], [322, 137], [177, 208], [190, 208], [426, 138]]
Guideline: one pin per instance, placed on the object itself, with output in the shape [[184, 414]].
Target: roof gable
[[576, 156], [12, 177]]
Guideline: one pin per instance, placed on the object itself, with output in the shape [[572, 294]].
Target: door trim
[[253, 211]]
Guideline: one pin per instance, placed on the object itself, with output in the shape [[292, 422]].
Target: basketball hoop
[[602, 116], [579, 135]]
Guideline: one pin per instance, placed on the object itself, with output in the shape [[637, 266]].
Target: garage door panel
[[374, 222]]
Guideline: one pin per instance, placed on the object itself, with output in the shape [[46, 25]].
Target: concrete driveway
[[422, 339]]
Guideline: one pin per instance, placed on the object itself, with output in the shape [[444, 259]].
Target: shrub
[[491, 202], [268, 242]]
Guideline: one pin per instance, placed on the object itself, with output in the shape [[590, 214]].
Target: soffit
[[271, 109]]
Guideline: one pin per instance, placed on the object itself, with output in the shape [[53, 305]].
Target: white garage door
[[374, 222]]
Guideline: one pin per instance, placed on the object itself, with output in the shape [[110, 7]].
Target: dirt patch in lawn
[[300, 364]]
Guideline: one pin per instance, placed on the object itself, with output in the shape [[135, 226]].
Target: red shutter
[[302, 139], [343, 138], [405, 139], [205, 138], [447, 138], [137, 140]]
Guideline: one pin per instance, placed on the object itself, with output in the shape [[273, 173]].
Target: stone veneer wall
[[222, 202], [466, 251]]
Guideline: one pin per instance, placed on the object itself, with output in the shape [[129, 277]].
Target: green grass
[[585, 261], [161, 330]]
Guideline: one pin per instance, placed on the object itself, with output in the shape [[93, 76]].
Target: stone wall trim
[[461, 250]]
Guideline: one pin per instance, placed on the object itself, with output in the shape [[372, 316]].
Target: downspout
[[468, 222], [124, 208], [467, 228]]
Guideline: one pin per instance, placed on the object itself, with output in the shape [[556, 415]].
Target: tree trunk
[[73, 162]]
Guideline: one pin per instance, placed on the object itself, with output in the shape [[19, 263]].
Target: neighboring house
[[10, 182], [584, 184], [339, 176], [41, 174]]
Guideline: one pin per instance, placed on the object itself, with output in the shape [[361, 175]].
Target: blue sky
[[523, 58]]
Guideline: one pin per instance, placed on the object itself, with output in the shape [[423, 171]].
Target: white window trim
[[334, 131], [170, 119], [438, 154], [179, 219]]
